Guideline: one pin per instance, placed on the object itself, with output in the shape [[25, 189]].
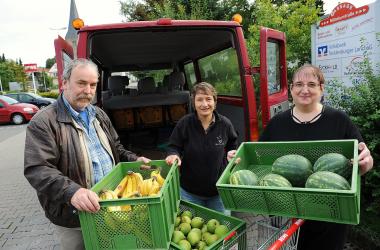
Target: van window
[[273, 66], [190, 74], [222, 70]]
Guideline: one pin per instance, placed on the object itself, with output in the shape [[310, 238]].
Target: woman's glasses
[[309, 85]]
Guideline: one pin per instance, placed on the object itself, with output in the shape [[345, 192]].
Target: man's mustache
[[87, 97]]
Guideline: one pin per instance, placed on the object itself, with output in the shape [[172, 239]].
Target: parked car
[[13, 111], [32, 98]]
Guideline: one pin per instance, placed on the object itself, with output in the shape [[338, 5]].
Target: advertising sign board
[[340, 41], [30, 67]]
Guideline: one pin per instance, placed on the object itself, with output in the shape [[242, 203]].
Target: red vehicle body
[[13, 111], [147, 58]]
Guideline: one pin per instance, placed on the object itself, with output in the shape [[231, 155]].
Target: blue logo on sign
[[322, 51]]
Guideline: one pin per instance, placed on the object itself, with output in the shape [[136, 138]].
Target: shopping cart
[[270, 233]]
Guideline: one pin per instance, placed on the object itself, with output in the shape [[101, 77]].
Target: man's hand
[[85, 200], [143, 159], [170, 159], [365, 159]]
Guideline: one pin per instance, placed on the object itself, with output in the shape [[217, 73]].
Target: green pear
[[211, 239], [187, 213], [184, 228], [193, 237], [211, 225], [184, 244], [177, 236], [177, 221], [221, 231], [197, 222]]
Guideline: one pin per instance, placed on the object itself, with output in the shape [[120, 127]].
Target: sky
[[28, 28]]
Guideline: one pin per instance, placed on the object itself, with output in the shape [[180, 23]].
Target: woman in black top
[[308, 120], [200, 142]]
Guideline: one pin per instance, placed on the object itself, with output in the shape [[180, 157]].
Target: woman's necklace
[[307, 122]]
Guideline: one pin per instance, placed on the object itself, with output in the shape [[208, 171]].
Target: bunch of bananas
[[149, 187], [133, 185]]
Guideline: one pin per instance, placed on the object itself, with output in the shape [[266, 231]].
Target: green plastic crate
[[150, 223], [237, 236], [341, 206]]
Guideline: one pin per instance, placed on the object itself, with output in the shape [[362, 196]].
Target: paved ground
[[22, 222]]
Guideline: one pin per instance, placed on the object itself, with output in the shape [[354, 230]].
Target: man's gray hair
[[75, 63]]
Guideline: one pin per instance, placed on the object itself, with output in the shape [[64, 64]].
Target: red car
[[13, 111]]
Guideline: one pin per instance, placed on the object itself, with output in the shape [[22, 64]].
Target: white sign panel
[[341, 40]]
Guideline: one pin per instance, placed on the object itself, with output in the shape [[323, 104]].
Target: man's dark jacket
[[53, 160]]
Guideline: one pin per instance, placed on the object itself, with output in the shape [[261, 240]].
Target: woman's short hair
[[316, 72], [203, 87]]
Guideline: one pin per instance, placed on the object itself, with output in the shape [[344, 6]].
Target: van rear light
[[164, 21]]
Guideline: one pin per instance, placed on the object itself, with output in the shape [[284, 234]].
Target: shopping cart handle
[[232, 234], [286, 235]]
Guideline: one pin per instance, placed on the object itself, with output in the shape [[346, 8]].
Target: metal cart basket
[[268, 233]]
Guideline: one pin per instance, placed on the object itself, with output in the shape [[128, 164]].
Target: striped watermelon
[[244, 177], [334, 162], [274, 180], [295, 168], [327, 180]]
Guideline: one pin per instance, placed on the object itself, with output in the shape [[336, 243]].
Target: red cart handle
[[232, 234], [286, 235]]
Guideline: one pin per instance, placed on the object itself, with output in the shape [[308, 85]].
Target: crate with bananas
[[138, 207]]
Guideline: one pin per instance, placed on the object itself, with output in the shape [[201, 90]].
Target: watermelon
[[295, 168], [327, 180], [244, 177], [274, 180], [334, 162]]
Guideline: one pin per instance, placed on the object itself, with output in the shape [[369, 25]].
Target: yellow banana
[[109, 195], [157, 173], [120, 188], [155, 188], [145, 187]]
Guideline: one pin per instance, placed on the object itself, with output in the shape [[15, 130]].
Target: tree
[[10, 71], [294, 19], [49, 62], [186, 9]]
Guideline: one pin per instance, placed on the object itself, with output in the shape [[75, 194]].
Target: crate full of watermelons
[[316, 180]]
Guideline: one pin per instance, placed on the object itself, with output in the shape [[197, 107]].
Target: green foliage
[[11, 71], [186, 10], [50, 94], [49, 62], [362, 103], [294, 19]]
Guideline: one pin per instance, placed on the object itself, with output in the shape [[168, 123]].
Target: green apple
[[187, 213], [211, 225], [197, 222], [184, 228], [177, 236], [211, 239], [221, 231], [193, 237], [204, 228], [205, 235], [184, 244], [197, 230], [177, 221], [185, 219], [201, 245]]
